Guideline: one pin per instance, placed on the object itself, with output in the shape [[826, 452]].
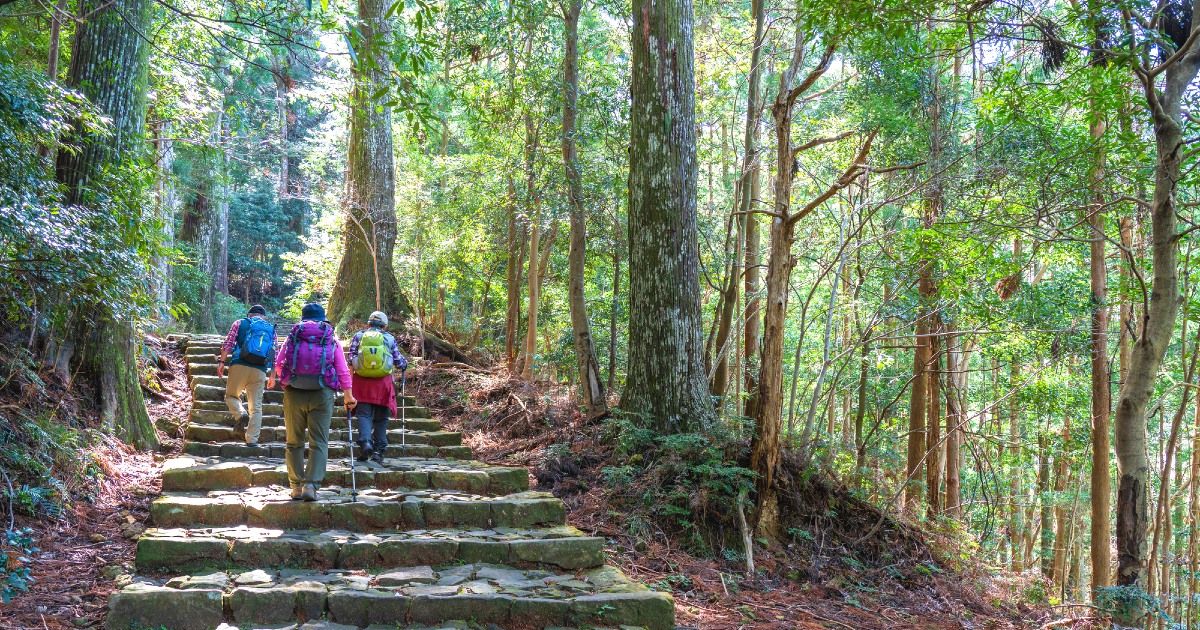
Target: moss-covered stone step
[[215, 412], [277, 433], [375, 509], [414, 473], [482, 593], [338, 422], [216, 391], [337, 449], [174, 550]]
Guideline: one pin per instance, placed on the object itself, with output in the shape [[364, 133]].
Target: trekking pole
[[350, 455], [403, 404]]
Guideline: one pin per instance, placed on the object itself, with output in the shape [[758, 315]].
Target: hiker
[[312, 368], [249, 349], [375, 358]]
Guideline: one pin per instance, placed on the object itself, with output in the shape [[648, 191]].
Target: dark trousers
[[372, 424]]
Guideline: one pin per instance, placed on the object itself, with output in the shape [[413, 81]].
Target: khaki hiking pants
[[252, 381], [307, 413]]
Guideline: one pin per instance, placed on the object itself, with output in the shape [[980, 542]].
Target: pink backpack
[[312, 362]]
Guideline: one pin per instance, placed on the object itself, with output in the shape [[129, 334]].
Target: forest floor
[[513, 422], [84, 554]]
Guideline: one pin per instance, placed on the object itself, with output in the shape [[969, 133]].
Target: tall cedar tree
[[666, 379], [109, 66], [366, 280]]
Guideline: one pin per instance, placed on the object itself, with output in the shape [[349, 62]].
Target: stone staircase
[[434, 538]]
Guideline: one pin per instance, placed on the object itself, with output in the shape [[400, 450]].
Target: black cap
[[313, 312], [258, 309]]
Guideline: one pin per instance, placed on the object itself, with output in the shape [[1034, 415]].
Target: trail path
[[434, 539]]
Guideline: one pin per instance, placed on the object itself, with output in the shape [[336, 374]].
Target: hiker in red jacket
[[312, 368]]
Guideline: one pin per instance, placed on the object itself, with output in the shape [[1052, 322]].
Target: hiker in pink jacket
[[312, 368]]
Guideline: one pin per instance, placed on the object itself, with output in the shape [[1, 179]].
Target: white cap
[[378, 316]]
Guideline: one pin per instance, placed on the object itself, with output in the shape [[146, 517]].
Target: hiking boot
[[364, 453], [377, 458], [297, 493], [309, 493], [239, 429]]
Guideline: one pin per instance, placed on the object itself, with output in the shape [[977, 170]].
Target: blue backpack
[[256, 341]]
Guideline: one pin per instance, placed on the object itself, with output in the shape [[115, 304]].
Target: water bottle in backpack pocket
[[256, 343], [312, 356], [374, 359]]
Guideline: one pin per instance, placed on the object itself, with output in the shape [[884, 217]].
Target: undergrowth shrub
[[685, 484], [18, 551]]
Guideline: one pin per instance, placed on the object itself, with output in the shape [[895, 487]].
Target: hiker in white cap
[[375, 359]]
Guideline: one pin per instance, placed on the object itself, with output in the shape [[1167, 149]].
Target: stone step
[[210, 473], [224, 433], [337, 449], [204, 391], [481, 593], [276, 409], [176, 550], [374, 509], [221, 417]]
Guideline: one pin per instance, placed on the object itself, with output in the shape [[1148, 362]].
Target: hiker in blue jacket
[[249, 349]]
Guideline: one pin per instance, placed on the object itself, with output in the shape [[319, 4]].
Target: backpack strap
[[294, 339], [324, 347]]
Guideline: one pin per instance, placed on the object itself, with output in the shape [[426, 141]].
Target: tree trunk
[[220, 251], [1158, 325], [612, 320], [915, 463], [666, 383], [1101, 386], [366, 280], [57, 14], [283, 82], [765, 448], [933, 421], [166, 203], [1062, 522], [512, 319], [531, 317], [109, 66], [956, 416], [753, 284], [1046, 523], [591, 387]]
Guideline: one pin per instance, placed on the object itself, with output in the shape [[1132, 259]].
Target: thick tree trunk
[[666, 382], [366, 280], [1158, 326], [591, 387], [283, 82], [109, 66]]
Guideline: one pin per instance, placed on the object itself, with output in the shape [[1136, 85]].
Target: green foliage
[[17, 551], [683, 482]]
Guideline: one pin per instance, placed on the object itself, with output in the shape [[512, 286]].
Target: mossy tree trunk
[[366, 280], [109, 66], [666, 382]]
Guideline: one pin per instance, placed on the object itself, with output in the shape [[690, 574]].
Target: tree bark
[[914, 464], [166, 204], [1158, 325], [591, 386], [512, 319], [752, 315], [1101, 386], [366, 280], [956, 416], [109, 66], [666, 383]]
